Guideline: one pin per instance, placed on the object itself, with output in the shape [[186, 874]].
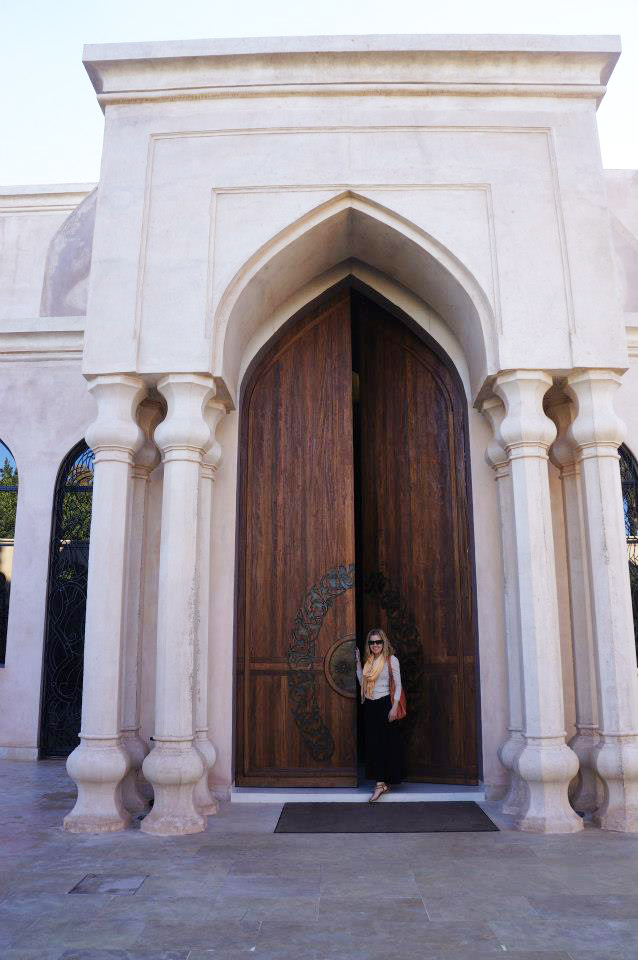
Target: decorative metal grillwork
[[302, 686], [629, 481], [8, 506], [66, 605]]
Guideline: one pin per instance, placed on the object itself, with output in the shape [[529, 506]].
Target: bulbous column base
[[173, 768], [616, 761], [547, 765], [586, 790], [515, 800], [204, 800], [133, 796], [98, 768]]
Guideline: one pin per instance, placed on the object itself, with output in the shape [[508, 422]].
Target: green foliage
[[76, 515], [8, 474], [8, 500], [76, 505]]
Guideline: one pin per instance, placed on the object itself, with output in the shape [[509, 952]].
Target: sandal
[[381, 788]]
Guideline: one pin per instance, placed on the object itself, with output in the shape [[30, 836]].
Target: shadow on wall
[[8, 505], [6, 564], [68, 263], [626, 253]]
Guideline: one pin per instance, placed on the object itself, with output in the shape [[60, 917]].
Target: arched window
[[629, 480], [66, 605], [8, 504]]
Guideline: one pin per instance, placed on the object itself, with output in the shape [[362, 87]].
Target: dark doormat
[[463, 816]]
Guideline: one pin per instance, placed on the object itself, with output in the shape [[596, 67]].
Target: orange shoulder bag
[[402, 706]]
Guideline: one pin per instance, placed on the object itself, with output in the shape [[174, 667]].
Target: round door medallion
[[339, 667]]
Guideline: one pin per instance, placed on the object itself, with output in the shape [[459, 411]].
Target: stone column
[[99, 763], [204, 800], [174, 765], [598, 432], [509, 752], [545, 763], [587, 794], [149, 415]]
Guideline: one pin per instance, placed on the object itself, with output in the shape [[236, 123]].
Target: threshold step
[[407, 792]]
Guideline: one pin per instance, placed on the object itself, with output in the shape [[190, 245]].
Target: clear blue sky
[[6, 456], [51, 125]]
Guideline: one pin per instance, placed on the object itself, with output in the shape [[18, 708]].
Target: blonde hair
[[388, 650]]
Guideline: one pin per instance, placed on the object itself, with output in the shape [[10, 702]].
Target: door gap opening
[[357, 386]]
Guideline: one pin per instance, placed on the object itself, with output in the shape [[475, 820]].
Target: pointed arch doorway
[[354, 511], [66, 605]]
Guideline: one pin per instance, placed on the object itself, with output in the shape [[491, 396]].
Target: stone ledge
[[43, 198], [430, 64], [42, 338], [631, 330]]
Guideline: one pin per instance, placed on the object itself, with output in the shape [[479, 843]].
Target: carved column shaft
[[146, 459], [205, 801], [546, 763], [496, 455], [174, 765], [598, 432], [587, 791], [99, 763]]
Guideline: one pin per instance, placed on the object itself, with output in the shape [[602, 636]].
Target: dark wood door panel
[[296, 548], [296, 554], [415, 564]]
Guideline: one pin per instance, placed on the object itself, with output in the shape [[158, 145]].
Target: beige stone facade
[[460, 179]]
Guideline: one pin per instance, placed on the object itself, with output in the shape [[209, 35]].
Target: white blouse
[[382, 686]]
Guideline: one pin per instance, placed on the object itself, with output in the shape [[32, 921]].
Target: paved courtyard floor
[[239, 891]]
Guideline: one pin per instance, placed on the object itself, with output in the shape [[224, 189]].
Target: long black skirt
[[383, 751]]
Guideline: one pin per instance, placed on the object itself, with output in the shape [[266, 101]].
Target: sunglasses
[[376, 643]]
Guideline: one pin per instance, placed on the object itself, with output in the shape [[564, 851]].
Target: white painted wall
[[44, 411], [622, 196]]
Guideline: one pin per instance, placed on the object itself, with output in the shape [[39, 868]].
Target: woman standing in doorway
[[380, 674]]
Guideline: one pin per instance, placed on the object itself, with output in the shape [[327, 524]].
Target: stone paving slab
[[543, 933], [217, 934], [41, 953], [370, 887], [288, 866], [91, 932], [606, 907], [476, 906], [82, 954], [240, 891], [602, 953]]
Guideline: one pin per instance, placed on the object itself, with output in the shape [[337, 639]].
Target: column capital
[[213, 413], [597, 430], [525, 430], [184, 433], [564, 452], [115, 434], [495, 453], [149, 415]]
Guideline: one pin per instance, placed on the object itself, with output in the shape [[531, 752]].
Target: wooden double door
[[354, 512]]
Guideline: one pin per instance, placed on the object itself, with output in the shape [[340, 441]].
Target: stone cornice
[[41, 338], [52, 198], [631, 330], [399, 65]]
